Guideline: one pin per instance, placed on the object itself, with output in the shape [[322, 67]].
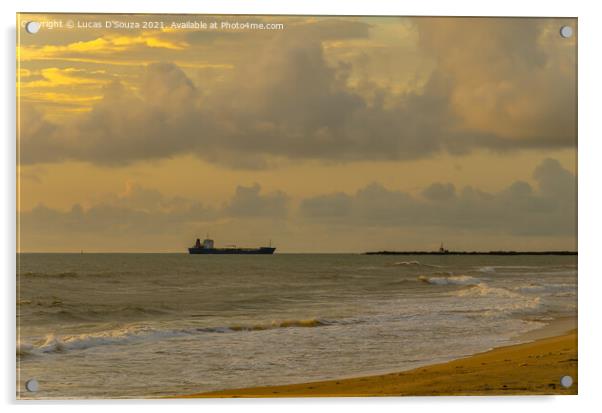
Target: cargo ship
[[207, 247]]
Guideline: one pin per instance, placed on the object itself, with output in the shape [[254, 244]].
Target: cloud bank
[[520, 209], [546, 210], [497, 84]]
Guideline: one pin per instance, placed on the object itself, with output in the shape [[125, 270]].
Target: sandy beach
[[532, 368]]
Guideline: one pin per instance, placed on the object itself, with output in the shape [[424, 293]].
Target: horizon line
[[380, 252]]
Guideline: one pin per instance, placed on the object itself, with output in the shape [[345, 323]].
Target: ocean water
[[150, 325]]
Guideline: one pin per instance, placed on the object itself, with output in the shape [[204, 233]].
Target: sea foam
[[53, 343]]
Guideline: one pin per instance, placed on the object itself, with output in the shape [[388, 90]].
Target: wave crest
[[407, 263], [413, 264], [450, 280], [136, 333], [49, 274], [282, 324], [498, 300]]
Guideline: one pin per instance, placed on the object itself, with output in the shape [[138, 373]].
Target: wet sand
[[524, 369]]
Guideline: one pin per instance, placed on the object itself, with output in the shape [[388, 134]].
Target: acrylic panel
[[284, 206]]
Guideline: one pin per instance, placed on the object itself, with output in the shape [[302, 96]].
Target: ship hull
[[233, 251]]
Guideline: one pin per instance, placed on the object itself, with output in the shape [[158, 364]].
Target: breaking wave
[[407, 263], [485, 299], [135, 333], [498, 300], [483, 289], [413, 264], [24, 349], [280, 324]]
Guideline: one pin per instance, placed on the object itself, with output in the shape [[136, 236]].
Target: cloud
[[548, 210], [249, 202], [56, 77], [143, 218], [123, 126], [337, 205], [107, 44], [513, 79], [554, 180], [440, 192], [499, 84]]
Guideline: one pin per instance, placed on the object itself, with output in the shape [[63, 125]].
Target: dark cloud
[[549, 209], [145, 216], [331, 206], [554, 180], [512, 80], [497, 84], [249, 202], [138, 211], [440, 192], [36, 137]]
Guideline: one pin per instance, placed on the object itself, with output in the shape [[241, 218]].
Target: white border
[[590, 205]]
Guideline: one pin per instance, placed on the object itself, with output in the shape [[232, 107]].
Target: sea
[[154, 325]]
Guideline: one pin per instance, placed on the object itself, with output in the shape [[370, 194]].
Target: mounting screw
[[32, 27], [32, 385], [566, 381], [566, 31]]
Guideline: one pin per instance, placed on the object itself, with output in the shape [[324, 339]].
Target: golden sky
[[331, 134]]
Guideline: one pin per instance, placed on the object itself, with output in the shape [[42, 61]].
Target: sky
[[328, 134]]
